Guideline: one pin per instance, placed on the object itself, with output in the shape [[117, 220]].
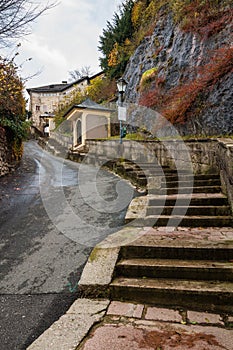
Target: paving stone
[[204, 317], [160, 314], [167, 336], [125, 309]]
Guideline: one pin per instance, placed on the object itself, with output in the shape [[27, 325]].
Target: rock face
[[177, 54]]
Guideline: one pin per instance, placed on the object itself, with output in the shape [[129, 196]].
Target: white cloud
[[66, 38]]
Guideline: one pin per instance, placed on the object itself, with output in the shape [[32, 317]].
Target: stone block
[[161, 314], [204, 318], [125, 309]]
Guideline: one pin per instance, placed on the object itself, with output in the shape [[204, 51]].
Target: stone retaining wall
[[66, 141], [200, 155], [224, 158], [7, 162], [206, 156]]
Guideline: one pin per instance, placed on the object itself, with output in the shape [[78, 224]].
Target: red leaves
[[177, 103]]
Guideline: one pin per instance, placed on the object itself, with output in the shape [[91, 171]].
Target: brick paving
[[131, 326], [190, 235]]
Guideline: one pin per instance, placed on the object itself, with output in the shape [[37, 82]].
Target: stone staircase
[[56, 148], [178, 274], [180, 199], [201, 204]]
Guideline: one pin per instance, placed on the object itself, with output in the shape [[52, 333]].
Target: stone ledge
[[98, 271], [71, 328]]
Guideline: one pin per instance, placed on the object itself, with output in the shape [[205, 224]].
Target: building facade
[[44, 100]]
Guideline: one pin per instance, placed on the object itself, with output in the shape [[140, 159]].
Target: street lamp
[[121, 87]]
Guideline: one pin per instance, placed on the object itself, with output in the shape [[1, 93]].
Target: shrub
[[148, 77], [12, 102], [205, 17]]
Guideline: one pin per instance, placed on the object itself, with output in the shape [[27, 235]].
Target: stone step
[[150, 248], [223, 210], [187, 221], [56, 148], [186, 183], [208, 295], [175, 190], [180, 269], [186, 177], [160, 172], [141, 165], [196, 199]]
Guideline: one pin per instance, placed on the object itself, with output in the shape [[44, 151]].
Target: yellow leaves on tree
[[101, 90], [119, 52], [12, 102], [113, 58], [137, 11]]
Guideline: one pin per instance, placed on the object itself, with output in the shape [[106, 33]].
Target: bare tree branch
[[80, 73], [16, 16]]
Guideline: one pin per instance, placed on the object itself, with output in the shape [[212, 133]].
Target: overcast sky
[[65, 38]]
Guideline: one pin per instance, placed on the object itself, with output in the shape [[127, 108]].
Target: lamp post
[[121, 87]]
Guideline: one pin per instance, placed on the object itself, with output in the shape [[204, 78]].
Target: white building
[[44, 100]]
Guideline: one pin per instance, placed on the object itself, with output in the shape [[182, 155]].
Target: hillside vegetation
[[177, 57], [12, 107]]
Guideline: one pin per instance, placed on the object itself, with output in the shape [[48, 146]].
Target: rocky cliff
[[186, 75]]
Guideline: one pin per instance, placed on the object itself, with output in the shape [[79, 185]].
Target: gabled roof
[[62, 87], [89, 104], [56, 87]]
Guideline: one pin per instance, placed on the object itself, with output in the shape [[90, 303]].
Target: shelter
[[89, 121]]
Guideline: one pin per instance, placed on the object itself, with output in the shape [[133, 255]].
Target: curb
[[71, 328]]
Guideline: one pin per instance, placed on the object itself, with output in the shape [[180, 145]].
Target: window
[[37, 108]]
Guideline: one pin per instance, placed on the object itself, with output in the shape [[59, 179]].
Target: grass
[[141, 137]]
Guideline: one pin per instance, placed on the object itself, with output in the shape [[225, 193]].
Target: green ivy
[[16, 129]]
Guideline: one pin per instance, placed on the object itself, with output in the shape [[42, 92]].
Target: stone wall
[[206, 156], [7, 161], [66, 141], [224, 158], [200, 155]]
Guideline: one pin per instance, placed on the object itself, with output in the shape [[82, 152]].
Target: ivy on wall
[[12, 106]]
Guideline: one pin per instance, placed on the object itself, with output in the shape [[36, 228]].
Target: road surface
[[52, 213]]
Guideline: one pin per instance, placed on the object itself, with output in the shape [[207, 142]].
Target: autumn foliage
[[12, 102], [205, 17]]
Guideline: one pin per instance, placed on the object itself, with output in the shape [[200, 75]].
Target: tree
[[12, 102], [114, 43], [12, 108], [80, 73], [16, 17]]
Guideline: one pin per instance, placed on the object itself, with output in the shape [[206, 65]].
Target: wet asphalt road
[[52, 213]]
